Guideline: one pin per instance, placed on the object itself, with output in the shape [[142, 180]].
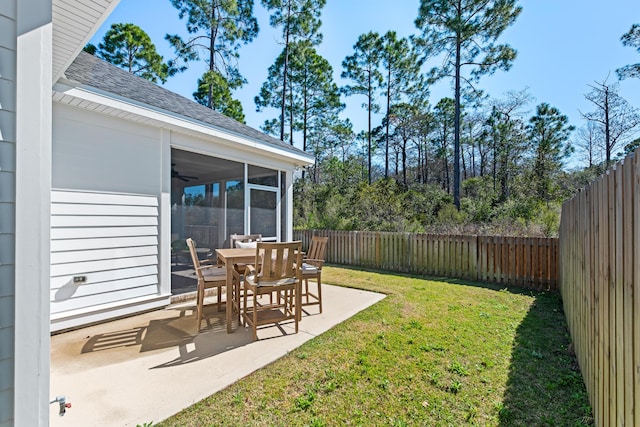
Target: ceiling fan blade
[[176, 174]]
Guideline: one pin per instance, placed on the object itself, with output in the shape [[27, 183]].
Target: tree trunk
[[464, 164], [483, 162], [426, 165], [456, 124], [420, 166], [386, 153], [446, 182], [291, 115], [495, 159], [305, 119], [369, 128], [472, 160], [397, 164], [284, 74], [404, 164], [212, 55]]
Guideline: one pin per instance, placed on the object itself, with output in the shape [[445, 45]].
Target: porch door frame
[[225, 207], [275, 190]]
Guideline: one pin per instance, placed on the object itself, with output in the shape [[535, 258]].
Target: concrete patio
[[148, 367]]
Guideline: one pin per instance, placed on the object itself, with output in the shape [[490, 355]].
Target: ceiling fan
[[176, 174]]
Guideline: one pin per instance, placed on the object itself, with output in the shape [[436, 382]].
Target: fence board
[[599, 299], [626, 204], [619, 295], [613, 388], [594, 296], [603, 279], [501, 255], [636, 295]]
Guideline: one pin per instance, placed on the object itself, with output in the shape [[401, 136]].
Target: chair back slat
[[318, 247], [278, 260], [191, 244]]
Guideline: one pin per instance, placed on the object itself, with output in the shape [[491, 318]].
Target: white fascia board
[[176, 121]]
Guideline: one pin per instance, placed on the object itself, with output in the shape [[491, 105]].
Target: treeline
[[513, 182], [512, 174], [469, 160]]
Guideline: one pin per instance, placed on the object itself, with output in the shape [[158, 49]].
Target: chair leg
[[199, 304], [242, 300], [297, 314], [306, 289], [319, 292], [237, 300], [244, 319], [255, 316]]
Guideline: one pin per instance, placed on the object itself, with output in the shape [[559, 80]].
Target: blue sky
[[563, 46]]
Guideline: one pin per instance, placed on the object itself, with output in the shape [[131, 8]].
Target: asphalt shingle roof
[[92, 71]]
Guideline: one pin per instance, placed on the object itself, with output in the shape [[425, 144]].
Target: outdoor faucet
[[63, 404]]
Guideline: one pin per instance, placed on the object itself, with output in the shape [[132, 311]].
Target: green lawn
[[433, 353]]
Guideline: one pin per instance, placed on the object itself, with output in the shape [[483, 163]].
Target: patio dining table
[[229, 257]]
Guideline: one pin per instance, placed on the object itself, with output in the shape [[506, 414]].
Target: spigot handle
[[62, 401]]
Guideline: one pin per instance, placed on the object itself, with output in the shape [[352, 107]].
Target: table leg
[[229, 303]]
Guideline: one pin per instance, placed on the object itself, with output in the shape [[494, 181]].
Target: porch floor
[[147, 367]]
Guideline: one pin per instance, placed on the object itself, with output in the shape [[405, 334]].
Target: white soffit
[[74, 23]]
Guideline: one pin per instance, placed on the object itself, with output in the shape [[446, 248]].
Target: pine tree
[[213, 89], [631, 39], [363, 68], [218, 28], [314, 98], [464, 30], [129, 47], [401, 70], [299, 20], [549, 132]]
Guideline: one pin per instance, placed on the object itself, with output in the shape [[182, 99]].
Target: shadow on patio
[[177, 331], [147, 367]]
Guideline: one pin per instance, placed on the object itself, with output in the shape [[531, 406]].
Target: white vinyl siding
[[109, 239], [7, 207], [93, 152], [101, 226]]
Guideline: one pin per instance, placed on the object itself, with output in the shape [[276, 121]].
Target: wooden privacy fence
[[599, 275], [525, 262]]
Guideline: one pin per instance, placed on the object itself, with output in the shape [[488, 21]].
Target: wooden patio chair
[[312, 269], [178, 247], [276, 271], [209, 276], [244, 241]]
